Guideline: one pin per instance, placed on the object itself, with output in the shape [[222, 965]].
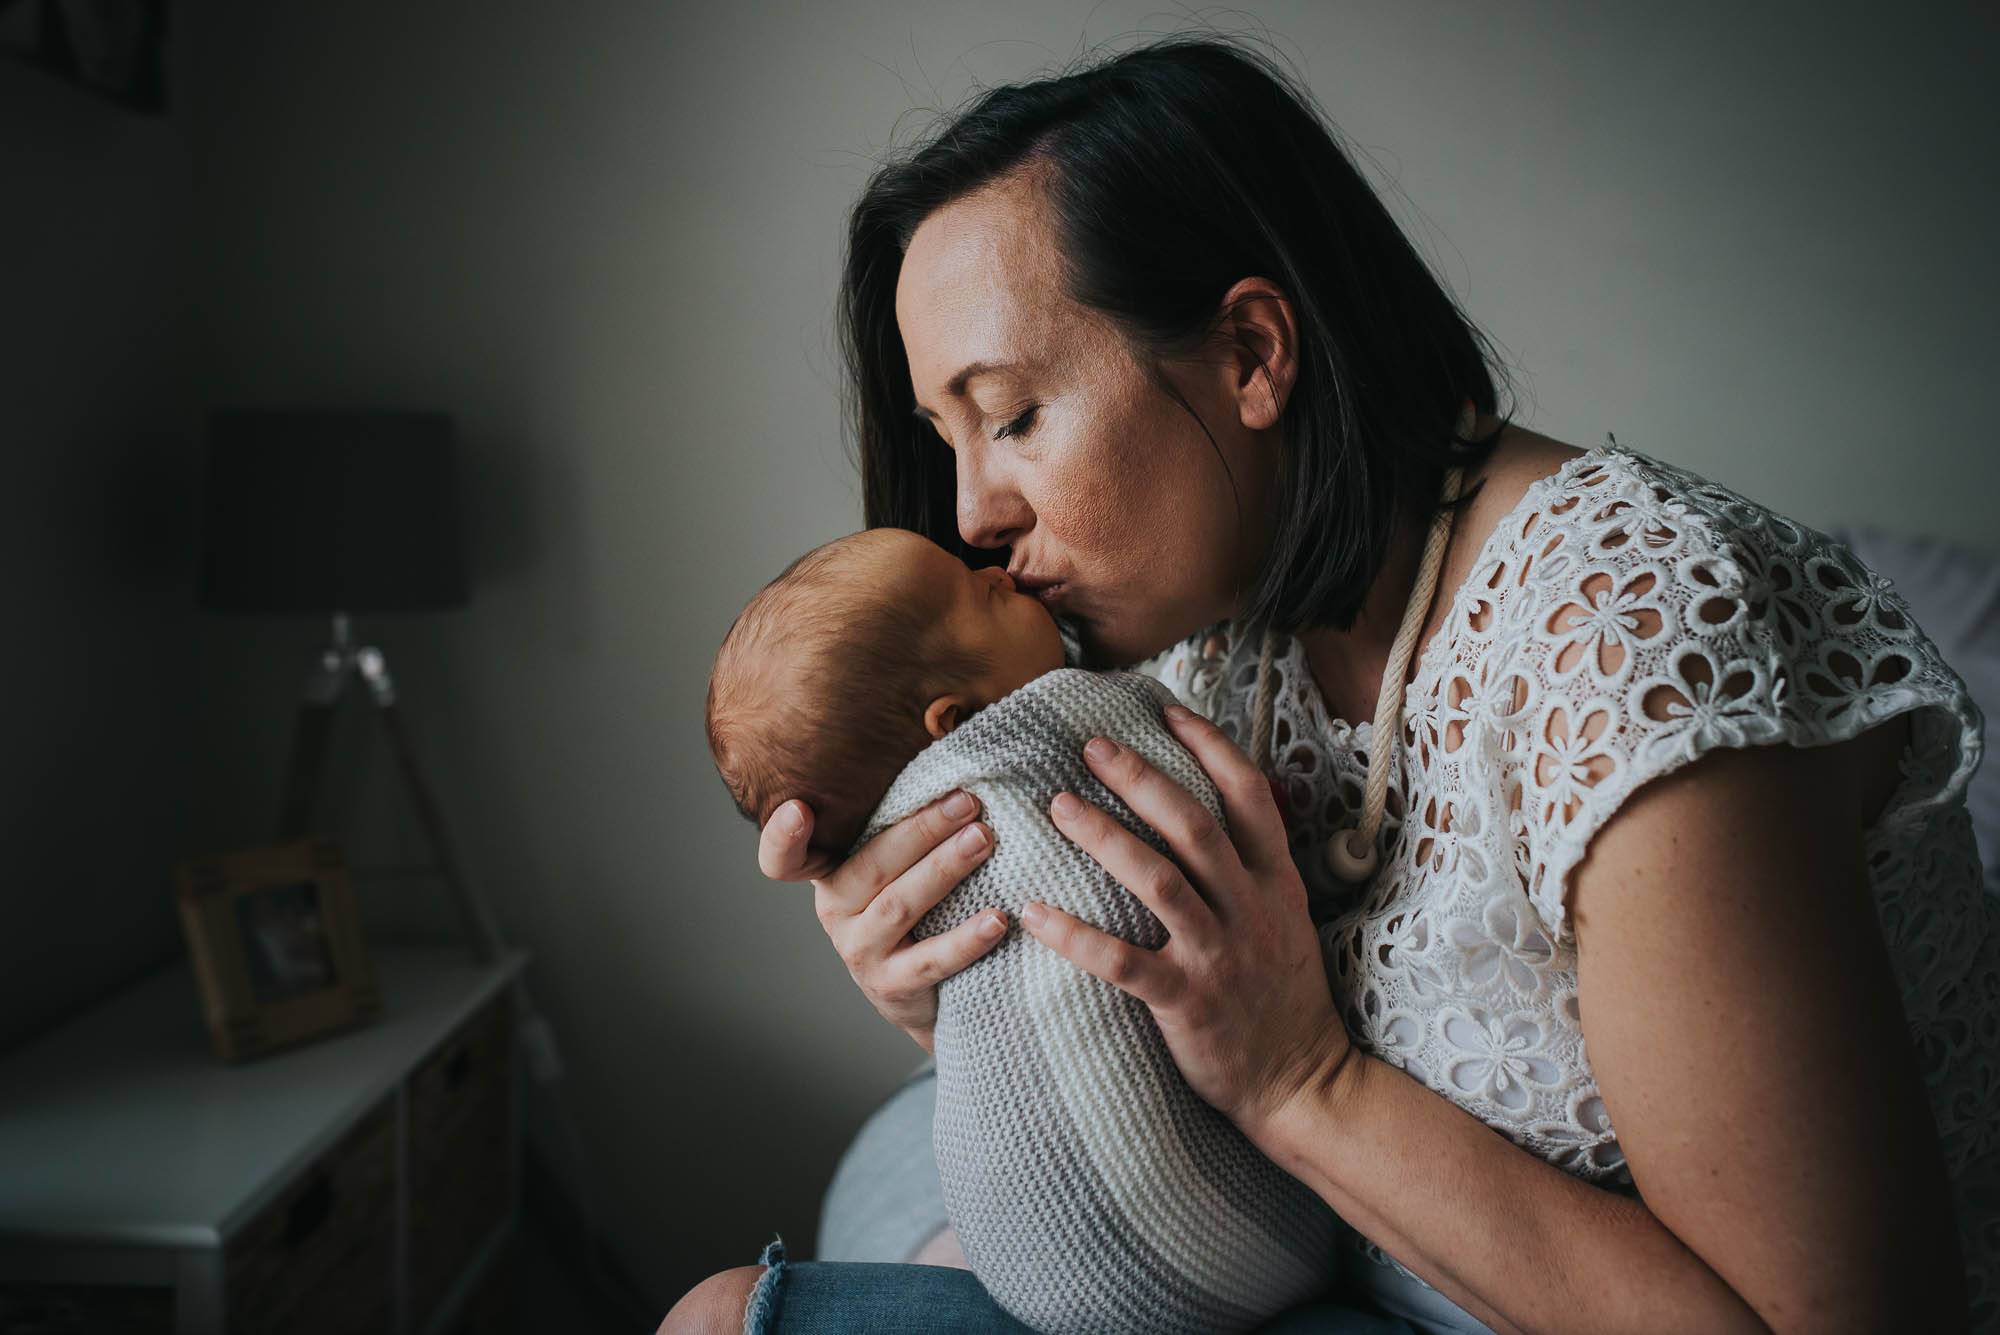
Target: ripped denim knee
[[760, 1314]]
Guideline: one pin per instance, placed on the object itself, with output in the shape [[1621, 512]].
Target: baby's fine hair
[[819, 689]]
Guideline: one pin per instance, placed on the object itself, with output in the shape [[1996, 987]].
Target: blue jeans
[[886, 1202], [885, 1298]]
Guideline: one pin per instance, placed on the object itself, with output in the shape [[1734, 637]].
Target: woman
[[1144, 335]]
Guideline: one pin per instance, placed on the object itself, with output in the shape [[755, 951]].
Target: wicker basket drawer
[[321, 1257], [461, 1152]]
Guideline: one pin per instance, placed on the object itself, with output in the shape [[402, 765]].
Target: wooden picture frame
[[276, 945]]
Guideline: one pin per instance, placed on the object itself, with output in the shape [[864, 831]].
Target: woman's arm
[[1742, 1024], [1509, 1237]]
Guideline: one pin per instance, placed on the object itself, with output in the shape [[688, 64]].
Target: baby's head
[[856, 658]]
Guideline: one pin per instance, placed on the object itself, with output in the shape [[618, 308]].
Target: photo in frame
[[275, 941]]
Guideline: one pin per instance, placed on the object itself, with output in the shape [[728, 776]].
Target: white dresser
[[364, 1182]]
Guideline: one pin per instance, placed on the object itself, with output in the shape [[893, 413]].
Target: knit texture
[[1093, 1190]]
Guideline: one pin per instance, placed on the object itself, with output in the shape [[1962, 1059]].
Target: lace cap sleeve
[[1658, 616]]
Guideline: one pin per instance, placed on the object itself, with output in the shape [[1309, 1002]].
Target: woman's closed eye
[[1019, 425]]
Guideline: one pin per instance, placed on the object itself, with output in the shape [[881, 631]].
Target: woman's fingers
[[1247, 803], [925, 964], [1157, 882], [897, 906], [784, 845], [1125, 966], [1197, 838], [868, 903], [894, 851]]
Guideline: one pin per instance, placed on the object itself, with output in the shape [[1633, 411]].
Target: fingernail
[[972, 838], [1033, 914], [992, 925], [1068, 804], [1101, 749], [1179, 713], [960, 805], [794, 819]]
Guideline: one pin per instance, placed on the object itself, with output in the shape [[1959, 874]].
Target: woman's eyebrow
[[956, 386]]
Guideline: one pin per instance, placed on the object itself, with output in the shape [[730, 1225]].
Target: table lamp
[[333, 514]]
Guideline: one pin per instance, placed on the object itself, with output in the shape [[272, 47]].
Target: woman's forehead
[[982, 281]]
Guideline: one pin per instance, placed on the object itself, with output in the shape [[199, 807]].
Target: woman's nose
[[991, 513]]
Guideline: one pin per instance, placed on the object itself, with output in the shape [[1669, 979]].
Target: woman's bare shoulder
[[1517, 462], [1520, 459]]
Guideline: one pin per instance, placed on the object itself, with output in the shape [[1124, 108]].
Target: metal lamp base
[[341, 663]]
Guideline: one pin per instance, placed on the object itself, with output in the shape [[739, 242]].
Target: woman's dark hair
[[1174, 171]]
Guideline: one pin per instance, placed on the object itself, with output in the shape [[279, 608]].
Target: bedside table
[[364, 1182]]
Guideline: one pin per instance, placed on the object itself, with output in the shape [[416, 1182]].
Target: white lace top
[[1626, 617]]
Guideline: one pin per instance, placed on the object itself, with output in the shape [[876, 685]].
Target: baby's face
[[984, 613]]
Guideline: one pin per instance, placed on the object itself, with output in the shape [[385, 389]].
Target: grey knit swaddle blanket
[[1093, 1191]]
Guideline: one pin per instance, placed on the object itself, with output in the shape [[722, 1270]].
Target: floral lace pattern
[[1625, 618]]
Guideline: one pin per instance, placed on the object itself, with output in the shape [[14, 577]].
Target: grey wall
[[97, 646], [605, 236]]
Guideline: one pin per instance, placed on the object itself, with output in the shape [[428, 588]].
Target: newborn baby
[[1091, 1189]]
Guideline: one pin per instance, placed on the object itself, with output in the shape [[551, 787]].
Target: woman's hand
[[1238, 990], [869, 903]]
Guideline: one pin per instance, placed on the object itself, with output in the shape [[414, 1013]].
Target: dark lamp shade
[[331, 512]]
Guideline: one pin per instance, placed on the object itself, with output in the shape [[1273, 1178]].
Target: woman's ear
[[943, 715], [1259, 336]]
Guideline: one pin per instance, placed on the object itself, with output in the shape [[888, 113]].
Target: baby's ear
[[944, 715]]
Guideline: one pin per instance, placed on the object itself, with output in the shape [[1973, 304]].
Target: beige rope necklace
[[1351, 854]]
